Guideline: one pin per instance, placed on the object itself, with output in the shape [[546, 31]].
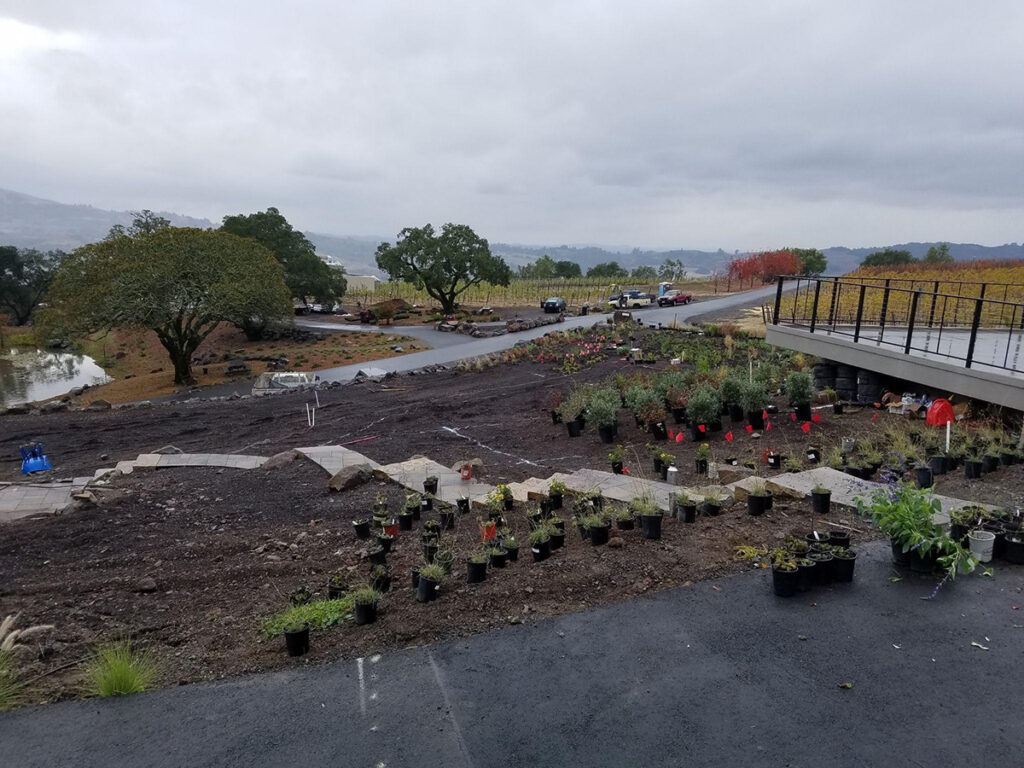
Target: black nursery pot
[[925, 564], [378, 556], [923, 477], [447, 520], [803, 412], [463, 505], [513, 553], [430, 485], [658, 430], [823, 567], [806, 580], [555, 418], [382, 583], [899, 557], [541, 551], [837, 408], [756, 419], [556, 500], [475, 572], [599, 535], [784, 583], [574, 428], [756, 505], [386, 542], [362, 528], [701, 465], [679, 415], [366, 613], [509, 501], [658, 464], [651, 525], [606, 434], [426, 590], [297, 642], [415, 510], [989, 463], [839, 539], [736, 413], [617, 467], [1013, 549], [937, 464], [775, 460], [414, 574], [498, 559], [557, 539], [842, 567], [821, 502], [405, 522], [624, 524], [710, 510], [686, 513], [972, 469], [429, 551], [336, 591]]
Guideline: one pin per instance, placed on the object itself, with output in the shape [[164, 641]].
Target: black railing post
[[885, 307], [935, 296], [814, 308], [978, 303], [778, 302], [910, 322], [832, 301], [860, 312]]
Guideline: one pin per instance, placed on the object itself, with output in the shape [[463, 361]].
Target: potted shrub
[[385, 540], [446, 518], [571, 411], [712, 504], [656, 454], [501, 495], [476, 567], [603, 408], [556, 534], [556, 492], [650, 516], [799, 389], [540, 543], [684, 508], [973, 467], [843, 560], [377, 555], [752, 398], [414, 505], [511, 546], [667, 460], [430, 485], [822, 565], [1013, 547], [732, 394], [296, 638], [366, 600], [989, 462], [598, 529], [336, 587], [785, 576], [653, 415], [362, 528], [702, 457], [497, 556], [618, 453], [405, 519], [624, 519], [703, 411], [757, 498], [431, 576], [463, 504], [380, 578], [821, 499]]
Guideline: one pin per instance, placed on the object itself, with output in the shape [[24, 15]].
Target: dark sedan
[[554, 304]]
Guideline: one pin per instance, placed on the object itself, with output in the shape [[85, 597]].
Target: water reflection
[[28, 375]]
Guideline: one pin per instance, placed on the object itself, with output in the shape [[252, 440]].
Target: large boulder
[[351, 476], [98, 405], [280, 460]]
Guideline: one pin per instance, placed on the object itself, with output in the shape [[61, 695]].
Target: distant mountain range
[[32, 222]]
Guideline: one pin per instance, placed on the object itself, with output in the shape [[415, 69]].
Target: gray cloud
[[660, 124]]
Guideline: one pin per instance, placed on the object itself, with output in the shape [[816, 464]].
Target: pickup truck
[[672, 298], [632, 299]]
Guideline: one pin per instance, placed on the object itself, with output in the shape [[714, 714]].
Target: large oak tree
[[443, 265], [181, 283]]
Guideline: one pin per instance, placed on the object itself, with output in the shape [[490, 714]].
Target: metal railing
[[976, 330]]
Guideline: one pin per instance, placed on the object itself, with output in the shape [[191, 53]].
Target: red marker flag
[[792, 416], [767, 426], [875, 417], [702, 428], [750, 429], [816, 418], [764, 414], [806, 426], [671, 435], [679, 437], [728, 436]]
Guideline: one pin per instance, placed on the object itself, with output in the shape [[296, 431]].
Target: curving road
[[452, 347]]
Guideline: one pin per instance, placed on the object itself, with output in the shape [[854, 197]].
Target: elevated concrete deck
[[930, 367]]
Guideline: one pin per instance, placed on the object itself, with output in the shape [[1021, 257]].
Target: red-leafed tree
[[766, 265]]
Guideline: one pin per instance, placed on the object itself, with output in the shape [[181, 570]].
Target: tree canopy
[[547, 268], [644, 272], [144, 222], [766, 265], [609, 269], [445, 264], [812, 261], [888, 257], [178, 282], [25, 276], [938, 254], [306, 274], [672, 269]]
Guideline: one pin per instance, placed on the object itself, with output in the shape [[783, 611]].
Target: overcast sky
[[741, 125]]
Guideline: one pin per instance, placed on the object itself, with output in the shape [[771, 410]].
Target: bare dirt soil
[[224, 550]]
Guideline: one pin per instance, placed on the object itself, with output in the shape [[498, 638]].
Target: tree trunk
[[253, 328], [182, 367]]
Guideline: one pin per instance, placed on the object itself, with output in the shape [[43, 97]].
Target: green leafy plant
[[704, 406], [539, 535], [557, 488], [799, 388], [432, 572], [644, 505], [752, 396], [703, 452], [119, 668], [732, 389], [617, 454], [319, 614], [365, 596]]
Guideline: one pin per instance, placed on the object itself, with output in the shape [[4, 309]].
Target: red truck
[[672, 298]]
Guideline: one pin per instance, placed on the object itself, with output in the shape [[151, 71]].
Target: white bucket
[[981, 543], [673, 476]]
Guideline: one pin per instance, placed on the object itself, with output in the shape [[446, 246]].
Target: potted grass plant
[[617, 454], [540, 543], [821, 499], [366, 601], [752, 398], [476, 567], [712, 504], [431, 576], [757, 498], [703, 455], [650, 516], [296, 638]]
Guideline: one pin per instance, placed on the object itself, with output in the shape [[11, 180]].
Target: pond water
[[32, 374]]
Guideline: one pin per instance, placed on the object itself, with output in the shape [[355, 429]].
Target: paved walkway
[[718, 674]]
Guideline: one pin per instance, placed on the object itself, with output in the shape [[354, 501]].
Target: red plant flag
[[671, 435], [702, 428], [767, 426], [806, 427], [750, 429], [728, 436], [679, 437], [875, 417], [792, 416], [816, 418], [764, 414]]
